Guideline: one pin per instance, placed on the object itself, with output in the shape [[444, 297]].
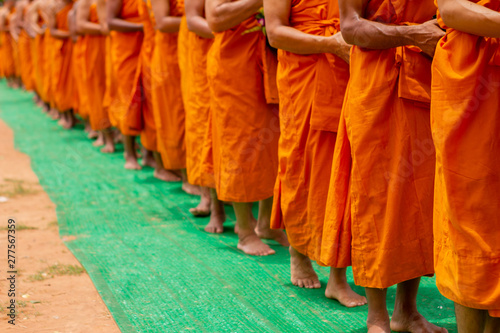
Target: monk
[[25, 35], [465, 126], [245, 123], [62, 82], [7, 62], [379, 208], [35, 22], [166, 93], [309, 112], [91, 23], [79, 104], [130, 109], [196, 95]]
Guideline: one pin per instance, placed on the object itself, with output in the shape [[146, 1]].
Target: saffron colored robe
[[80, 100], [62, 82], [47, 64], [245, 127], [379, 207], [167, 96], [466, 125], [125, 112], [196, 96], [94, 76], [308, 128]]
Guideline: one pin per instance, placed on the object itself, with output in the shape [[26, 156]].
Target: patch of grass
[[20, 227], [21, 304], [57, 270], [15, 188], [53, 224]]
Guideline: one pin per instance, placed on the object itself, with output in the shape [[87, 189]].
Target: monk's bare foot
[[109, 148], [166, 175], [148, 161], [95, 135], [99, 142], [131, 163], [251, 244], [202, 210], [216, 224], [68, 124], [378, 327], [277, 235], [191, 189], [118, 137], [338, 289], [54, 114], [413, 322], [302, 272]]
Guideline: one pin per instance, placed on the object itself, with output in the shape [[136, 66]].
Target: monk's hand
[[340, 48], [427, 37], [105, 29]]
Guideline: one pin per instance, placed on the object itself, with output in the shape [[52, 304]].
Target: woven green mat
[[152, 263]]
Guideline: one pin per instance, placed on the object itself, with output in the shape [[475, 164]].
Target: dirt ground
[[53, 292]]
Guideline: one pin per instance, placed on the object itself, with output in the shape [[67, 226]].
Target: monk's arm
[[195, 18], [17, 19], [83, 24], [56, 33], [283, 36], [32, 17], [223, 15], [116, 23], [356, 30], [165, 22], [102, 15], [470, 17]]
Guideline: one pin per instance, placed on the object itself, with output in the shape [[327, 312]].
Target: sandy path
[[54, 294]]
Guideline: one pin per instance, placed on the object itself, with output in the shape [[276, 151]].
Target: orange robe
[[193, 49], [110, 83], [245, 127], [379, 208], [15, 50], [62, 82], [167, 96], [94, 76], [311, 91], [125, 109], [80, 100], [465, 114], [142, 98], [46, 69]]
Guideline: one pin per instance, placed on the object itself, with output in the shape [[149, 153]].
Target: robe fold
[[465, 122], [62, 81], [305, 151], [167, 96], [142, 98], [125, 106], [80, 100], [47, 64], [379, 207], [94, 76], [196, 96], [245, 127], [38, 63]]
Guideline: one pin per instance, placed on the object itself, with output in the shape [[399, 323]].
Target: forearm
[[120, 25], [88, 28], [226, 15], [59, 34], [470, 18], [199, 26], [377, 36], [168, 24], [295, 41]]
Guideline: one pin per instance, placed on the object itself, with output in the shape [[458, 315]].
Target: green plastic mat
[[152, 263]]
